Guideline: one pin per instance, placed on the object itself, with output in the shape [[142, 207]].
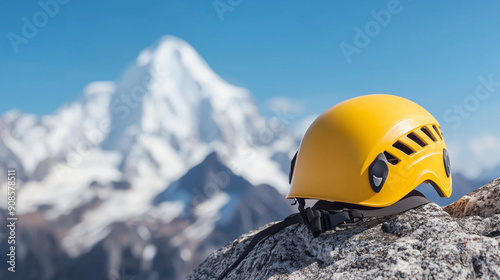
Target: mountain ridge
[[88, 174]]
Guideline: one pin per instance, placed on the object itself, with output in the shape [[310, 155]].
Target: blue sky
[[436, 54]]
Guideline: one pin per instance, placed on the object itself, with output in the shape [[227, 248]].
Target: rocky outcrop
[[483, 202], [460, 241]]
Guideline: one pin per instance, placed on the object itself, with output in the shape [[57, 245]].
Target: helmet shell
[[339, 147]]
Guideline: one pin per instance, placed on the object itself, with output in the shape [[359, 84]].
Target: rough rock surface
[[460, 241], [483, 202]]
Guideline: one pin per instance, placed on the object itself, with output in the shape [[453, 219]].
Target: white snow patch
[[186, 254], [67, 191], [167, 211], [208, 213], [254, 164], [149, 252]]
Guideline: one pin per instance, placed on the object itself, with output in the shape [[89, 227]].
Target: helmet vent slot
[[416, 139], [391, 159], [428, 133], [403, 148], [437, 131]]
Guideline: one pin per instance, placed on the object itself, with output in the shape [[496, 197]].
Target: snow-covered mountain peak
[[101, 160], [172, 59], [159, 93], [166, 113], [171, 54], [166, 46]]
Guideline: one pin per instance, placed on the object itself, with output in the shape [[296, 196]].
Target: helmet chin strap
[[302, 204]]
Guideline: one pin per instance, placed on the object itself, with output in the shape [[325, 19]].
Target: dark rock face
[[458, 242]]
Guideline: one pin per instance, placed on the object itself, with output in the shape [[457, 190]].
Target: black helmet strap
[[325, 215]]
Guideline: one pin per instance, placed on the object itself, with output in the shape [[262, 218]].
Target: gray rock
[[483, 202], [423, 243]]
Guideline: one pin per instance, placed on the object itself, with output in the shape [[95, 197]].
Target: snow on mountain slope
[[114, 149], [171, 92], [32, 144], [172, 108], [224, 205]]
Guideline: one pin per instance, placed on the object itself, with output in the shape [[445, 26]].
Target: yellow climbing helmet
[[370, 150]]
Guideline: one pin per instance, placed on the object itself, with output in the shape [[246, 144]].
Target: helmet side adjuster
[[446, 160], [292, 167], [378, 172]]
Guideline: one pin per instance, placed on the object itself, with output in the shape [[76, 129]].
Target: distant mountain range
[[148, 173], [143, 177]]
